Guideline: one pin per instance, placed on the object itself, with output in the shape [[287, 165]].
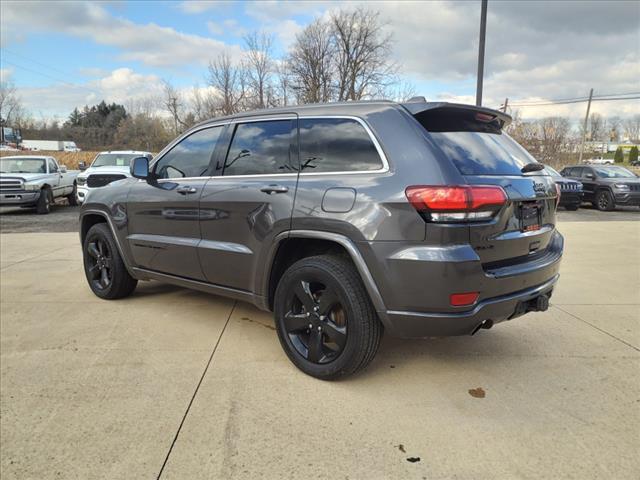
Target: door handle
[[271, 189], [186, 190]]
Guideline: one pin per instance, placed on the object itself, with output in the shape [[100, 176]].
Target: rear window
[[336, 145], [474, 143]]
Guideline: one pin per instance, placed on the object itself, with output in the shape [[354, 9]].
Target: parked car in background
[[107, 167], [35, 181], [606, 186], [570, 190], [599, 161], [420, 219]]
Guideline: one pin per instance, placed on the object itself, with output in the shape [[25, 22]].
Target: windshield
[[22, 165], [614, 172], [552, 171], [114, 159]]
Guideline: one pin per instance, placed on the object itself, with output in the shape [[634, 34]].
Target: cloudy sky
[[61, 55]]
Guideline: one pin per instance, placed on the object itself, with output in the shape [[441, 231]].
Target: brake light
[[457, 203]]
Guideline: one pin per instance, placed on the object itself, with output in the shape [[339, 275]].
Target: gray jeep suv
[[421, 219]]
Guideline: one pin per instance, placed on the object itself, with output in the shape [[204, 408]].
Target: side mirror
[[140, 168], [82, 166], [63, 169]]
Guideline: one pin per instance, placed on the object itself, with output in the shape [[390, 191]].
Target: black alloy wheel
[[316, 322], [105, 270], [100, 260], [324, 317], [604, 201]]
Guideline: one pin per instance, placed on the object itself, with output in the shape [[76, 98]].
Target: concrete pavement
[[194, 386]]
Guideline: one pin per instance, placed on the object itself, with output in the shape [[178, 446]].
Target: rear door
[[485, 155], [249, 201], [163, 215]]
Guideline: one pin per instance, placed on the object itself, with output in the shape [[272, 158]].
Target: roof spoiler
[[415, 106]]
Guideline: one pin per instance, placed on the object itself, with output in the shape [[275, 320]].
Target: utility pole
[[506, 102], [584, 127], [483, 31]]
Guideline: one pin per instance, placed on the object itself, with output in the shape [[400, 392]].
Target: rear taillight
[[463, 203]]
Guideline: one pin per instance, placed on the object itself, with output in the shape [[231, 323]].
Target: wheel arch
[[291, 246]]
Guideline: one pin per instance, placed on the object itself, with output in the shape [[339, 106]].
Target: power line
[[34, 61], [50, 76], [564, 101]]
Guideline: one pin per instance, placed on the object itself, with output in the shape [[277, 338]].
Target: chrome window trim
[[376, 143], [293, 116]]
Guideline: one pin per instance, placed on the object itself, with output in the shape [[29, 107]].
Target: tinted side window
[[260, 148], [190, 157], [53, 168], [336, 145], [575, 172]]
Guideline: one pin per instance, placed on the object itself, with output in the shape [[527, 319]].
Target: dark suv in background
[[571, 193], [422, 219], [606, 186]]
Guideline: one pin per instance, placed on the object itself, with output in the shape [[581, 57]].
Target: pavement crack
[[32, 258], [598, 328], [184, 417]]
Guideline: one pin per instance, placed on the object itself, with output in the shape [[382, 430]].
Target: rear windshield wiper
[[532, 167]]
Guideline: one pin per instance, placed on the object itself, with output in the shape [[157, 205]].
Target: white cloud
[[122, 85], [5, 74], [215, 28], [195, 7], [150, 44]]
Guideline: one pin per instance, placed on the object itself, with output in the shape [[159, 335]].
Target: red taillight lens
[[463, 299], [457, 203]]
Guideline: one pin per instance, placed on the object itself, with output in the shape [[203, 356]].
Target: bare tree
[[310, 63], [229, 80], [259, 66], [632, 128], [362, 54], [615, 127], [554, 137], [283, 84], [597, 127], [205, 104], [400, 91], [173, 103], [11, 110]]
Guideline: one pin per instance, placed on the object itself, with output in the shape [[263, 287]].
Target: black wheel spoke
[[335, 334], [295, 322], [94, 271], [104, 278], [92, 249], [314, 347], [303, 292], [327, 301]]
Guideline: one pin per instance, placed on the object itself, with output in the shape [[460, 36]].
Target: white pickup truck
[[35, 181]]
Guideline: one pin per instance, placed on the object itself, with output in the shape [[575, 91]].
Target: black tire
[[44, 201], [106, 274], [604, 201], [572, 208], [72, 198], [333, 285]]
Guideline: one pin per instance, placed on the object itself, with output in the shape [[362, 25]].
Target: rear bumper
[[417, 281], [496, 310], [19, 198]]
